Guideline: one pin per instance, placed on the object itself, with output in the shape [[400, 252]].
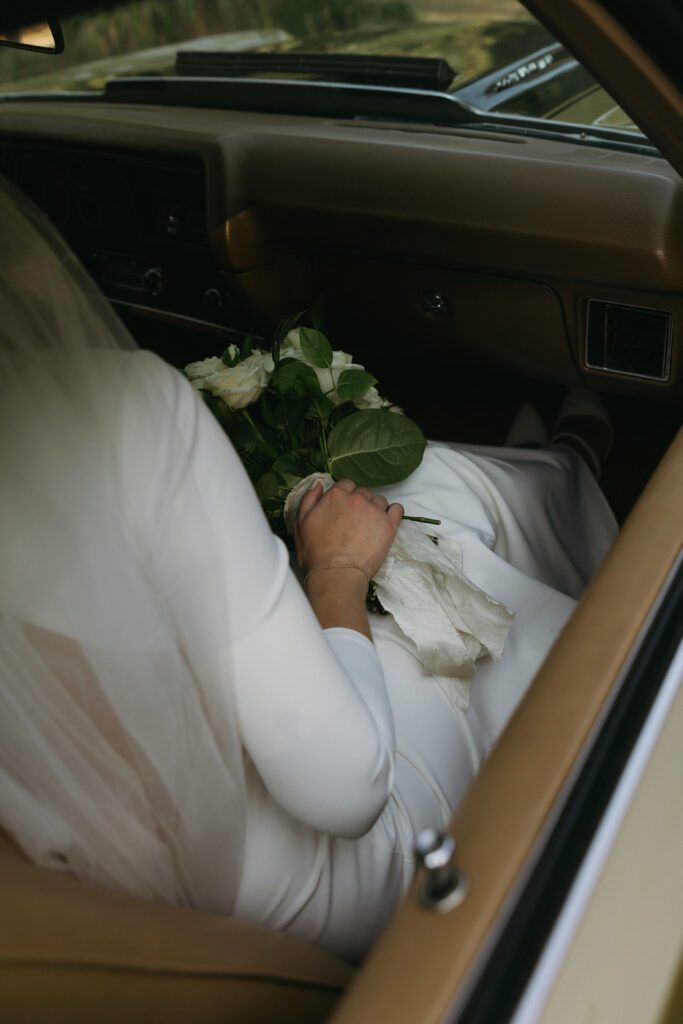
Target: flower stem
[[323, 446], [423, 519], [250, 421], [290, 435]]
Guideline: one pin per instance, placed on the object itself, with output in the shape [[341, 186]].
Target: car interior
[[474, 271]]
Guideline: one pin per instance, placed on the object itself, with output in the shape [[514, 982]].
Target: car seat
[[72, 952]]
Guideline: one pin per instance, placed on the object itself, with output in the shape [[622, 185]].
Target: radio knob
[[213, 299], [154, 281]]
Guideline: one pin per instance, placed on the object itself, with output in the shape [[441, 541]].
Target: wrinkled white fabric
[[293, 499], [448, 622]]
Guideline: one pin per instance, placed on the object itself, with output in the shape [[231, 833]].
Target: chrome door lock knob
[[433, 302], [441, 885]]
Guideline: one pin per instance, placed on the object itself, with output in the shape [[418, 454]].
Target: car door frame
[[456, 967]]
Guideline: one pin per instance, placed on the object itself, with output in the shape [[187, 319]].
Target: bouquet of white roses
[[303, 408]]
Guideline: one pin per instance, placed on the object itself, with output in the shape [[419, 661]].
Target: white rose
[[291, 349], [328, 377], [264, 358], [195, 371], [292, 341], [371, 400], [241, 385]]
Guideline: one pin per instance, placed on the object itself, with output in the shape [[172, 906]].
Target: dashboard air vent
[[632, 340]]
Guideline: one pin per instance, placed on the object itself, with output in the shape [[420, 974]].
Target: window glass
[[504, 61]]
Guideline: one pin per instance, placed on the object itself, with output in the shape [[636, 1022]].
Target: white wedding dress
[[173, 721]]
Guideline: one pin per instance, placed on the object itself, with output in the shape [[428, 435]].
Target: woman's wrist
[[337, 564], [337, 596], [336, 580]]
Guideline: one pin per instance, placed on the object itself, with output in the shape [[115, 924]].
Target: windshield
[[503, 61]]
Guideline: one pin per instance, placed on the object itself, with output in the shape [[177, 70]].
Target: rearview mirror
[[45, 37]]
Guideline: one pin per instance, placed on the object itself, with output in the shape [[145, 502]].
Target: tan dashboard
[[539, 257]]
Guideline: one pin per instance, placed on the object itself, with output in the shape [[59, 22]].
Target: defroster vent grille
[[632, 340]]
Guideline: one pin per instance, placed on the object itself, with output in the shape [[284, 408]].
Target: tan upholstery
[[72, 952]]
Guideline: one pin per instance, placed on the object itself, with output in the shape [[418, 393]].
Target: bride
[[179, 718]]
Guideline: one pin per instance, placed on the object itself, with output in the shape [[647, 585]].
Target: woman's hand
[[347, 526]]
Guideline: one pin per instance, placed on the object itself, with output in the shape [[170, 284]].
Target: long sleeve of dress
[[312, 706], [315, 717]]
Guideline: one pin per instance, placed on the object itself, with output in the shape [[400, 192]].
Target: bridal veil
[[117, 762]]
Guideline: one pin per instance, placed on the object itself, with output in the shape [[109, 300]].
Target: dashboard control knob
[[213, 299], [154, 281], [172, 224]]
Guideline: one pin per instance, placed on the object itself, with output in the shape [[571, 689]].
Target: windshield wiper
[[431, 73]]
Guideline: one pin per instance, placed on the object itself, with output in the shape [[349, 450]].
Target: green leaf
[[289, 465], [321, 408], [248, 345], [265, 448], [354, 384], [281, 332], [296, 411], [268, 486], [340, 412], [241, 433], [317, 461], [292, 377], [375, 448], [270, 407], [285, 326], [315, 347], [290, 481]]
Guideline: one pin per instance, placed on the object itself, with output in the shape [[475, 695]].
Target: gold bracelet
[[346, 565]]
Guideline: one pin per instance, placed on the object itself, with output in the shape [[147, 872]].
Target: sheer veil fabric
[[116, 761]]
